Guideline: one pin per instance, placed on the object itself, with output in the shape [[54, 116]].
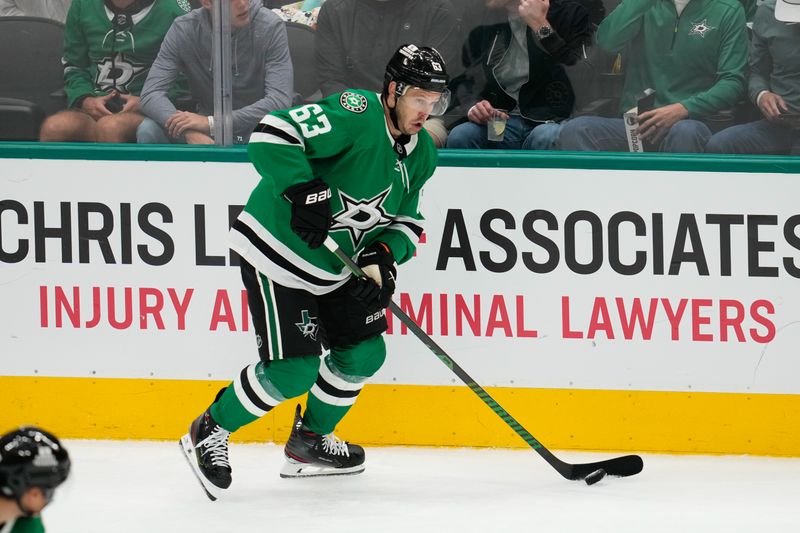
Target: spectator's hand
[[197, 137], [481, 112], [95, 106], [654, 124], [182, 121], [131, 103], [534, 12], [772, 105]]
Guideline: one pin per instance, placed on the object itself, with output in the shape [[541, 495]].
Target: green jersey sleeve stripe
[[274, 130]]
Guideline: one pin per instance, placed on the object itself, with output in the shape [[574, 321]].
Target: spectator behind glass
[[515, 63], [356, 38], [108, 49], [693, 53], [49, 9], [262, 75], [774, 86]]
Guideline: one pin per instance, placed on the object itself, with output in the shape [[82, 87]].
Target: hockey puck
[[595, 476]]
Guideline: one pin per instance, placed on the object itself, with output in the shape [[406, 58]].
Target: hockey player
[[32, 464], [352, 167]]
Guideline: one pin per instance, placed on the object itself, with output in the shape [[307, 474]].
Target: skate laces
[[217, 445], [334, 445]]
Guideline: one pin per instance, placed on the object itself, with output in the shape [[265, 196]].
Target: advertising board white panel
[[553, 278]]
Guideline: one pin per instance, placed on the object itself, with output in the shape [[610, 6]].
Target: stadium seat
[[20, 120], [301, 47], [30, 61]]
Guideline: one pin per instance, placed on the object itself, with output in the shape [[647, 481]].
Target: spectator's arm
[[731, 65], [154, 102], [329, 53], [760, 59], [8, 8], [622, 25], [77, 78], [750, 8], [278, 83], [572, 32]]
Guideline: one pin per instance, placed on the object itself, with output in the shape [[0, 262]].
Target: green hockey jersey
[[98, 57], [345, 141], [31, 524]]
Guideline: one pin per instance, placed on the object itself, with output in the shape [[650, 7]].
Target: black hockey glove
[[377, 262], [311, 210], [365, 290]]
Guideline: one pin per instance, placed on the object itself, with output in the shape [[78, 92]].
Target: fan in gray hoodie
[[262, 75]]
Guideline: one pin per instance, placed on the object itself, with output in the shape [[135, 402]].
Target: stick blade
[[627, 465]]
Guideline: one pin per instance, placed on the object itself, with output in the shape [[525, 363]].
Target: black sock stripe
[[251, 394], [333, 391]]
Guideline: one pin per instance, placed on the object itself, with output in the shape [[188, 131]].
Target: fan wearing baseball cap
[[774, 86], [787, 10]]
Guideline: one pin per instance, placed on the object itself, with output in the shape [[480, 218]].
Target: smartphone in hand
[[791, 120], [115, 103], [646, 100]]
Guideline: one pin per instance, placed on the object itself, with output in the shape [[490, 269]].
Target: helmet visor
[[428, 102]]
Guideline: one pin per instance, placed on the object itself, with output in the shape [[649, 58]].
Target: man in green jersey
[[693, 53], [350, 167], [32, 464], [109, 46]]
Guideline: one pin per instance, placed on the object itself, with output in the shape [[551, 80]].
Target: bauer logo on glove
[[311, 210], [313, 198]]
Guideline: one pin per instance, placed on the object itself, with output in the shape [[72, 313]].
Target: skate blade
[[212, 491], [295, 469]]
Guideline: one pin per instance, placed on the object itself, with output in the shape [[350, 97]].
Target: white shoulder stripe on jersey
[[279, 124], [258, 137]]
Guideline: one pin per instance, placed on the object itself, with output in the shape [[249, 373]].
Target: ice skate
[[206, 449], [309, 454]]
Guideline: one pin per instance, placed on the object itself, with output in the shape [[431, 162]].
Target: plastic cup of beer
[[496, 127]]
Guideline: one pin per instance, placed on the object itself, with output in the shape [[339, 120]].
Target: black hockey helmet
[[31, 457], [417, 67]]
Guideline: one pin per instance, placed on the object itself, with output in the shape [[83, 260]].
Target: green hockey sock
[[229, 412], [342, 374]]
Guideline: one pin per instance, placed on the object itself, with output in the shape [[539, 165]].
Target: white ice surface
[[139, 486]]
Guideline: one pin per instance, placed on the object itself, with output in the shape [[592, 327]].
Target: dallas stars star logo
[[361, 216], [701, 28], [307, 326], [117, 73]]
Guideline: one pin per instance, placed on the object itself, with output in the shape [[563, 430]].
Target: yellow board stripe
[[758, 424]]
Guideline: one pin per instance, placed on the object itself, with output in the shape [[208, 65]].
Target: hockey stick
[[627, 465]]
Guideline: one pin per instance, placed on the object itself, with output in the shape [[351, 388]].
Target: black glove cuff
[[377, 253]]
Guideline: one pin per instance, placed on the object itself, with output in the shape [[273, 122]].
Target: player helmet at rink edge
[[31, 457], [417, 67]]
